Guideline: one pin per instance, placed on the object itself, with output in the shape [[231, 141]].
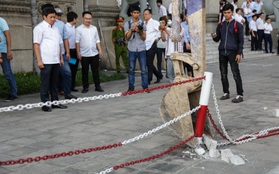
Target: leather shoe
[[74, 90], [85, 90], [70, 96], [60, 106], [46, 109], [100, 89]]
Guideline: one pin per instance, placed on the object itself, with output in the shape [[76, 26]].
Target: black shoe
[[70, 96], [100, 89], [130, 89], [146, 90], [74, 90], [60, 106], [85, 90], [46, 109], [272, 52], [10, 98]]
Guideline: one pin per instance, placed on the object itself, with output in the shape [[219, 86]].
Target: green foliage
[[28, 83]]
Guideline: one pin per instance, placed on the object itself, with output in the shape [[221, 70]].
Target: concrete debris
[[229, 157]]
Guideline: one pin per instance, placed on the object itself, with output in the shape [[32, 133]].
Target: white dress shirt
[[88, 39], [71, 29], [267, 28], [49, 39], [162, 11], [170, 8], [260, 24], [253, 25], [239, 18], [152, 32]]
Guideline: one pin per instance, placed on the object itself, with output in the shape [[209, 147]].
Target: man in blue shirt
[[65, 77], [5, 57]]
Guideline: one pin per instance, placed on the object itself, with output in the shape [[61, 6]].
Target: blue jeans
[[132, 65], [7, 71], [170, 70], [66, 81]]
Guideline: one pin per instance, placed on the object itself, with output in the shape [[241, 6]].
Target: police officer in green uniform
[[118, 39]]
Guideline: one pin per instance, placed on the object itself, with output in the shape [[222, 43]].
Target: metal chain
[[143, 135], [106, 171], [153, 157], [100, 97], [67, 101], [242, 139]]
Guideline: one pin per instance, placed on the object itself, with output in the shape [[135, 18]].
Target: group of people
[[59, 47], [258, 27], [144, 40]]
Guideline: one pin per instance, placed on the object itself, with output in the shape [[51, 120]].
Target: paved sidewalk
[[31, 133]]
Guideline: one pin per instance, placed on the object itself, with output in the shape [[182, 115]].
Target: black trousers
[[74, 67], [268, 40], [49, 82], [93, 62], [254, 41], [260, 39], [150, 54], [223, 65], [247, 30]]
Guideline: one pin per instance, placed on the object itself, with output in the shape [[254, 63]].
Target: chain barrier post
[[204, 98]]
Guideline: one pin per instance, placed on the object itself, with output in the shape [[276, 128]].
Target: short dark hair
[[48, 10], [255, 16], [267, 18], [71, 16], [159, 1], [234, 1], [228, 6], [86, 12], [238, 9], [48, 5], [147, 9], [135, 8]]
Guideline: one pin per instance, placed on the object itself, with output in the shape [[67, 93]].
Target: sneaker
[[85, 90], [146, 90], [225, 96], [99, 89], [10, 98], [237, 99], [70, 96]]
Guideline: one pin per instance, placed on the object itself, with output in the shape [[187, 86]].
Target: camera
[[140, 27]]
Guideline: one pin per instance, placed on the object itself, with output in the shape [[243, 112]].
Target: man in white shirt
[[72, 18], [162, 11], [254, 35], [152, 36], [238, 17], [46, 37], [260, 27], [267, 35], [234, 3], [258, 5], [89, 51], [243, 6]]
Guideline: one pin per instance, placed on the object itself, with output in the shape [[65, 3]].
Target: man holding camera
[[118, 39], [135, 33]]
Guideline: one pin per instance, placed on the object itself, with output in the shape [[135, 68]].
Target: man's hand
[[238, 58], [1, 60], [41, 65], [79, 56], [101, 54], [213, 35], [61, 61], [68, 56], [9, 55]]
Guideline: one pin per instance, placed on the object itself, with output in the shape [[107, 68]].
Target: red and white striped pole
[[204, 98]]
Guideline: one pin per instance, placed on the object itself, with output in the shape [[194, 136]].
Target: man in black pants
[[89, 51], [152, 36], [230, 33]]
